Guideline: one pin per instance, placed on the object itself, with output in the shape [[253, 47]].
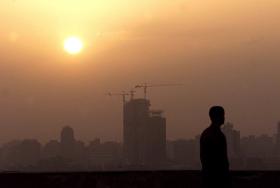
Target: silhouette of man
[[213, 152]]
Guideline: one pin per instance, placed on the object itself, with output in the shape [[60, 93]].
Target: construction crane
[[145, 86], [123, 94], [132, 93]]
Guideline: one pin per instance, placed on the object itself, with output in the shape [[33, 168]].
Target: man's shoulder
[[211, 133], [205, 133]]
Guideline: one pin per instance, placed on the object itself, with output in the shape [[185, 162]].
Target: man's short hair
[[216, 112]]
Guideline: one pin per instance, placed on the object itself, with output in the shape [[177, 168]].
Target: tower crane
[[122, 94], [145, 86], [132, 93]]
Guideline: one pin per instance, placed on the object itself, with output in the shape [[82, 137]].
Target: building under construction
[[144, 131], [144, 135]]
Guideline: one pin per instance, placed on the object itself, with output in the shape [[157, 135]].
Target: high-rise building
[[135, 116], [144, 134], [71, 148], [67, 142], [233, 140], [233, 146], [155, 153], [67, 136]]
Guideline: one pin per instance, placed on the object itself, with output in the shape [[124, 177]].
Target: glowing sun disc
[[73, 45]]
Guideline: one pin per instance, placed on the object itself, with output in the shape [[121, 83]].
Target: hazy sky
[[224, 52]]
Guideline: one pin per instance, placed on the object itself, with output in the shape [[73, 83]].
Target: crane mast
[[145, 86], [123, 95]]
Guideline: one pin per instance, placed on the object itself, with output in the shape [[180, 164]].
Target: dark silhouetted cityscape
[[144, 147]]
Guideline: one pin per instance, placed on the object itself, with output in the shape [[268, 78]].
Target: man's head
[[217, 115]]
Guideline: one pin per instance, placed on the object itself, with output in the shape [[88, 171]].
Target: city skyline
[[230, 46], [118, 99], [68, 153]]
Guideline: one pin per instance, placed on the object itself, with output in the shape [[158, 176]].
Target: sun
[[73, 45]]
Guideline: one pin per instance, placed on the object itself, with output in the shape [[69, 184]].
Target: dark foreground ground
[[147, 179]]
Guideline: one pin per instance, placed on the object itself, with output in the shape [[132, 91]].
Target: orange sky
[[225, 52]]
